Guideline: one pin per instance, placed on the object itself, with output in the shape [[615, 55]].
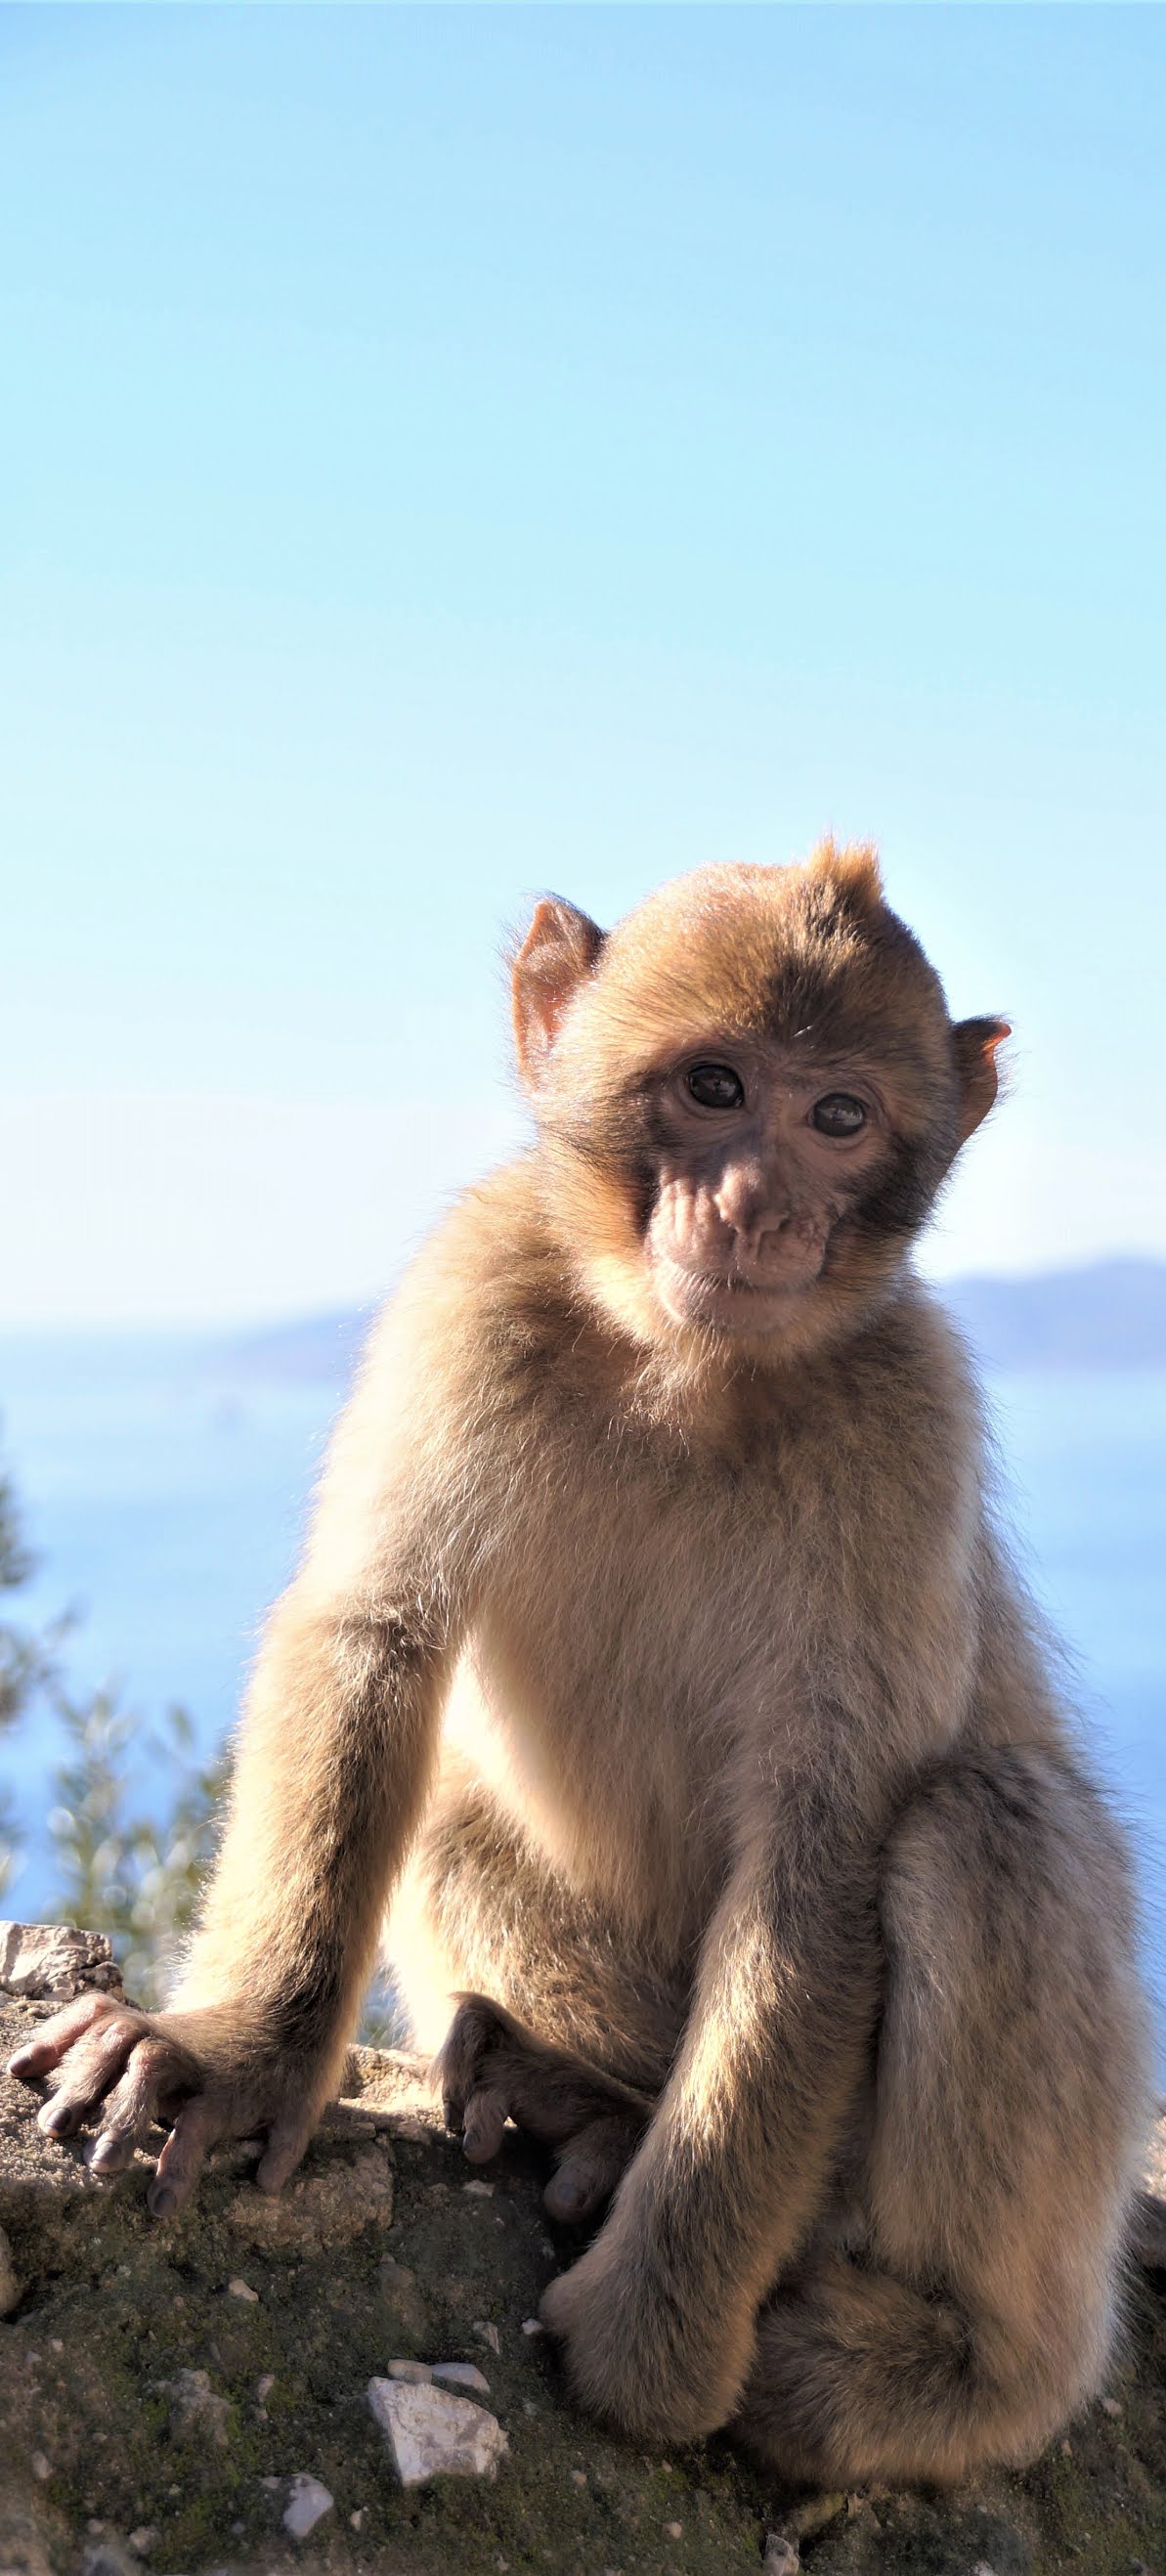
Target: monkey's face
[[748, 1095], [756, 1160]]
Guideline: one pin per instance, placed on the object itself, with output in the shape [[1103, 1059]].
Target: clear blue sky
[[446, 453]]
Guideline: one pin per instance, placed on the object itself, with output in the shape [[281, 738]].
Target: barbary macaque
[[656, 1651]]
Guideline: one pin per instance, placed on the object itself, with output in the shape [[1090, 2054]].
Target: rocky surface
[[254, 2385]]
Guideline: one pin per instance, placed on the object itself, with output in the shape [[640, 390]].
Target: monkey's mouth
[[727, 1301]]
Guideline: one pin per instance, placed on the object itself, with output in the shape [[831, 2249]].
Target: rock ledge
[[196, 2396]]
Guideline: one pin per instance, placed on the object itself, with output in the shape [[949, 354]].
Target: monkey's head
[[748, 1094]]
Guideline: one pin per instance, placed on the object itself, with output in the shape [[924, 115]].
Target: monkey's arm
[[333, 1766], [658, 2315]]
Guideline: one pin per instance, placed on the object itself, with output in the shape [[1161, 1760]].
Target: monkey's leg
[[1008, 2105], [480, 1909]]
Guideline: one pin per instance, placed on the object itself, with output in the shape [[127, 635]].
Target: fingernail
[[163, 2201], [103, 2154], [22, 2059], [55, 2120]]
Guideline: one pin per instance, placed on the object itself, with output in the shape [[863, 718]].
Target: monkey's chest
[[603, 1715]]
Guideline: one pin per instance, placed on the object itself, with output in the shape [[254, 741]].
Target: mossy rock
[[154, 2415]]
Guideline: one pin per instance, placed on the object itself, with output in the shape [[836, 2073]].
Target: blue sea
[[164, 1492]]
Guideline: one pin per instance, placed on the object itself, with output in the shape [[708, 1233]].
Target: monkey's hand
[[124, 2072], [491, 2070], [633, 2349]]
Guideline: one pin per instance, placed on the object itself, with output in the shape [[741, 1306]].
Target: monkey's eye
[[716, 1086], [838, 1114]]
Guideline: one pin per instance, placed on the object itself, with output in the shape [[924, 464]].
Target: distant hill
[[1110, 1315], [1107, 1315]]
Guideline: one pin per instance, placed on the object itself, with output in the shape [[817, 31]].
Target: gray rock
[[434, 2435], [415, 2374], [196, 2414], [51, 1961], [460, 2374], [108, 2557], [306, 2506]]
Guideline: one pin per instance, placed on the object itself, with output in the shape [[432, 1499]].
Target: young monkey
[[656, 1645]]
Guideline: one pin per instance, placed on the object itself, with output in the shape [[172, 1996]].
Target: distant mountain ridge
[[1105, 1315]]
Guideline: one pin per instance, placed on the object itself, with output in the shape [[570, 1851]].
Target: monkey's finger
[[485, 2120], [39, 2056], [589, 2170], [131, 2108], [180, 2163], [289, 2136], [92, 2066]]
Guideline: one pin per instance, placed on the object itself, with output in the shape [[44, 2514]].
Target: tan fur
[[678, 1681]]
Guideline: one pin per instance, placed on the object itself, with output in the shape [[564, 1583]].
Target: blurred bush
[[123, 1867], [133, 1874]]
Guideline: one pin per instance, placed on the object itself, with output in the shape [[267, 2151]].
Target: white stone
[[306, 2506], [1110, 2406], [479, 2190], [461, 2374], [432, 2434], [782, 2557], [40, 2467], [237, 2289], [487, 2334], [533, 2326], [415, 2374]]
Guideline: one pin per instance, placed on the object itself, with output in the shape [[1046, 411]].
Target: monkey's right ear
[[559, 949], [975, 1043]]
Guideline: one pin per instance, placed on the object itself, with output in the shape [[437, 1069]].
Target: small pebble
[[40, 2466], [264, 2386], [264, 2482], [1110, 2406], [461, 2374], [487, 2334], [55, 2344], [308, 2504], [672, 2530], [237, 2289], [357, 2518], [782, 2557], [416, 2374], [1066, 2450], [142, 2540], [479, 2190], [532, 2326]]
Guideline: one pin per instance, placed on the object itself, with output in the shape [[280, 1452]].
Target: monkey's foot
[[491, 2070]]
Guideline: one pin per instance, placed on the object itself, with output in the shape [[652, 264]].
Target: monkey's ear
[[559, 949], [975, 1043]]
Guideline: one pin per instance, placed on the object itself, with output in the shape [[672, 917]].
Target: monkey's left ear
[[559, 949], [975, 1043]]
